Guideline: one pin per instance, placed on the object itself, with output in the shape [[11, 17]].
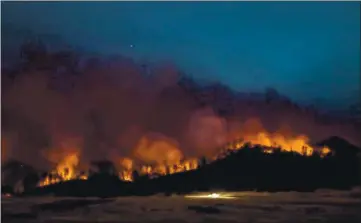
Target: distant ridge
[[340, 146]]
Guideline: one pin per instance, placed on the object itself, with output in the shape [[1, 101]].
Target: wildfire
[[126, 173], [299, 144], [161, 170], [170, 160], [64, 171]]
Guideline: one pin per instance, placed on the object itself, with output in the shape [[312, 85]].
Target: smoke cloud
[[116, 109]]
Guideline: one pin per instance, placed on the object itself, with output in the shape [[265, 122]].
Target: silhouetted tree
[[203, 161], [135, 175], [105, 167], [30, 181], [43, 175], [277, 151]]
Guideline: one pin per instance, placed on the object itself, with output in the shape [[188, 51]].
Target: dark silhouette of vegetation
[[104, 167], [7, 189], [15, 173], [246, 169], [135, 175], [203, 161], [342, 148], [30, 181]]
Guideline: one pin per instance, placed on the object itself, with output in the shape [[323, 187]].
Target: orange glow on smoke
[[126, 173], [299, 144], [156, 155], [67, 159], [66, 170]]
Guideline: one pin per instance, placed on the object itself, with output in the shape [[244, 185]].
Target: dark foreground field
[[320, 206]]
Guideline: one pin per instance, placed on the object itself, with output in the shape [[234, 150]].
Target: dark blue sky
[[309, 51]]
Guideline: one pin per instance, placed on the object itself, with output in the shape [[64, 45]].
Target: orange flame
[[66, 158], [126, 173], [299, 144], [66, 170], [160, 156]]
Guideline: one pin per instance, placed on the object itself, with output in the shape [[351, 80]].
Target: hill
[[340, 146], [245, 169]]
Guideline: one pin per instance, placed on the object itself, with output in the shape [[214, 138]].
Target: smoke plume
[[115, 109]]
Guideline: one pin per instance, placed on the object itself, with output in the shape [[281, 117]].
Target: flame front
[[126, 172], [66, 170], [161, 170], [299, 144], [162, 157]]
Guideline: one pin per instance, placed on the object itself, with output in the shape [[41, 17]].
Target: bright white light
[[210, 196], [213, 195]]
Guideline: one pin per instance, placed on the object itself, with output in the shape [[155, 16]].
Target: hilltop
[[244, 169]]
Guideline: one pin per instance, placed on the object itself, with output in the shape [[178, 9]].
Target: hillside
[[245, 169], [340, 146]]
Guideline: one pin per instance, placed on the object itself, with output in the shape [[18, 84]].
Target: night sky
[[309, 51]]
